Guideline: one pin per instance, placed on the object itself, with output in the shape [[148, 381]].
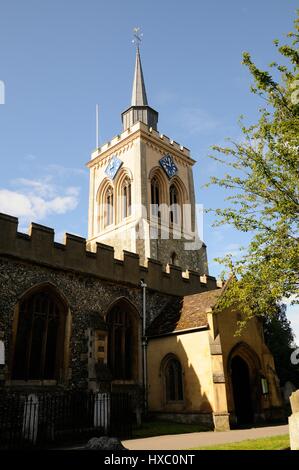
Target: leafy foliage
[[263, 183], [280, 340]]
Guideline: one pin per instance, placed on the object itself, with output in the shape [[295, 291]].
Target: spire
[[139, 110], [138, 92]]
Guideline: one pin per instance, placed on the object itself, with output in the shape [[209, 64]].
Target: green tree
[[280, 340], [262, 180]]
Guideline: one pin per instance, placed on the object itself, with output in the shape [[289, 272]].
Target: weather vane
[[137, 36]]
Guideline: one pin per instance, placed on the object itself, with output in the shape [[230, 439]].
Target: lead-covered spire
[[139, 110], [139, 97]]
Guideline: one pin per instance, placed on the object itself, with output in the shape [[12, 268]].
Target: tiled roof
[[184, 313]]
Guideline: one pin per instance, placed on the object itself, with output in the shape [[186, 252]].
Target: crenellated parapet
[[39, 247], [146, 132]]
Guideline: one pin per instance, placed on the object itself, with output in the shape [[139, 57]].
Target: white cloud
[[61, 204], [42, 187], [29, 206], [33, 199], [72, 191], [15, 203]]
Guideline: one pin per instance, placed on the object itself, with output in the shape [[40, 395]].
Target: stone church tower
[[141, 195]]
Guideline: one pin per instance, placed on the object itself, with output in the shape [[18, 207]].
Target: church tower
[[141, 196]]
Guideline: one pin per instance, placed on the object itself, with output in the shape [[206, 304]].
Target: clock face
[[113, 167], [168, 166]]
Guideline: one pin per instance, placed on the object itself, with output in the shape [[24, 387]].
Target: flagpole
[[97, 125]]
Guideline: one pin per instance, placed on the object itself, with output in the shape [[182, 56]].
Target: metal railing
[[45, 419]]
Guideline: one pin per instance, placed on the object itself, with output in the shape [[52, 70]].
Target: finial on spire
[[137, 36]]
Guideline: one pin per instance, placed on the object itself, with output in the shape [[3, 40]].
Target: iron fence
[[44, 419]]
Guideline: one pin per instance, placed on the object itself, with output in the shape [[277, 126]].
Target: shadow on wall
[[175, 391]]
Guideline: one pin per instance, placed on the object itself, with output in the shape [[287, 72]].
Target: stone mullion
[[123, 350], [28, 358], [44, 343]]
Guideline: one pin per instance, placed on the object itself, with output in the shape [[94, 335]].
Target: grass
[[160, 428], [266, 443]]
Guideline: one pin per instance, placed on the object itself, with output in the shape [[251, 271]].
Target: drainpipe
[[144, 345]]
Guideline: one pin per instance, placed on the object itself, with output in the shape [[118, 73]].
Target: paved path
[[202, 439]]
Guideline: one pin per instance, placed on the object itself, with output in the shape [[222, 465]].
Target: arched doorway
[[241, 391]]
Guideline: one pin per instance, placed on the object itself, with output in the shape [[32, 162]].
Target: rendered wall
[[193, 351]]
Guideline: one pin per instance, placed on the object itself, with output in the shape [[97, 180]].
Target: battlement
[[39, 247], [169, 141], [150, 131]]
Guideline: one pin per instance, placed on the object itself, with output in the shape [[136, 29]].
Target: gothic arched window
[[120, 342], [39, 343], [174, 204], [173, 380], [109, 206], [155, 197], [126, 198]]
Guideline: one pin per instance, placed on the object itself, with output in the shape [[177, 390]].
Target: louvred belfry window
[[109, 206], [155, 197], [126, 195], [174, 200]]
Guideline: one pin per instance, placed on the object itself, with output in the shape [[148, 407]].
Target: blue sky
[[58, 59]]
